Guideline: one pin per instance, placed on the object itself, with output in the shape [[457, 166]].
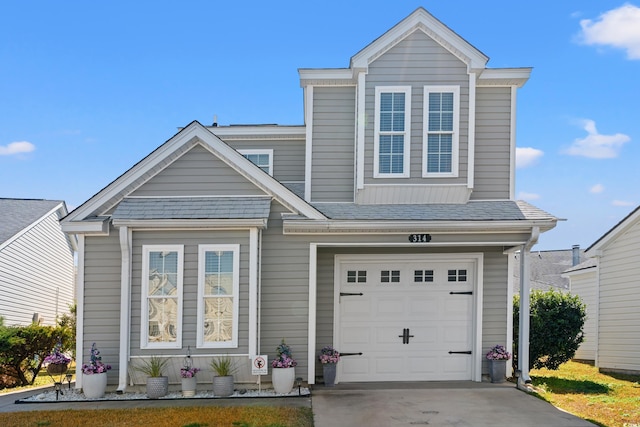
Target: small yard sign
[[259, 365]]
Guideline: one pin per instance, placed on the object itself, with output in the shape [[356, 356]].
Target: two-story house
[[382, 226]]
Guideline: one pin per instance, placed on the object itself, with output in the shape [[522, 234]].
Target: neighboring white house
[[384, 226], [609, 285], [36, 262]]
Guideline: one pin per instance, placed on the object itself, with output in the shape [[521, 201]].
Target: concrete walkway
[[458, 404]]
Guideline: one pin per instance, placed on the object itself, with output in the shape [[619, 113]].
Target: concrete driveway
[[435, 404]]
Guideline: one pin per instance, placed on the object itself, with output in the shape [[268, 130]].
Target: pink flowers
[[328, 354], [95, 365], [57, 357], [189, 372], [498, 353], [284, 358]]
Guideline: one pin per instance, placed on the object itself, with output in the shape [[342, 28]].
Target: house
[[547, 268], [383, 226], [608, 285], [36, 262]]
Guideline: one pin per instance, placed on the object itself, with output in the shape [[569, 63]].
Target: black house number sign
[[419, 238]]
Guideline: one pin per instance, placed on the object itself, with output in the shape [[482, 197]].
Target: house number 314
[[419, 238]]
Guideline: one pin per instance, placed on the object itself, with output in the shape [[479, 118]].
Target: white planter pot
[[282, 379], [94, 385], [189, 386]]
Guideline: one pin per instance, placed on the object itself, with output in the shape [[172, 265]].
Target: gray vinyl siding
[[197, 173], [288, 156], [37, 275], [190, 240], [101, 302], [619, 311], [585, 286], [332, 170], [493, 143], [417, 61]]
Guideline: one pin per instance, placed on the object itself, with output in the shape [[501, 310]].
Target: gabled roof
[[16, 215], [100, 204], [614, 232], [421, 20]]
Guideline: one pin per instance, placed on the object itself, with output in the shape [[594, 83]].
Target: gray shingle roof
[[18, 214], [546, 269], [193, 208], [471, 211]]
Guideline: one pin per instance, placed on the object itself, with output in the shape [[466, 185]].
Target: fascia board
[[305, 226], [422, 19], [192, 223], [94, 228], [504, 76], [611, 235]]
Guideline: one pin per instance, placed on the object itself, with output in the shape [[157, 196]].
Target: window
[[218, 287], [161, 302], [261, 158], [390, 276], [441, 124], [420, 276], [392, 136], [359, 276], [457, 275]]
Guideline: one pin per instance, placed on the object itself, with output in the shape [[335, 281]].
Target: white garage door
[[411, 319]]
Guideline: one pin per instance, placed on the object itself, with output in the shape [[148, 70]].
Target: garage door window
[[390, 276], [421, 276], [457, 275], [357, 276]]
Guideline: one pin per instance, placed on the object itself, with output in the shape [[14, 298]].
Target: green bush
[[556, 323], [23, 349]]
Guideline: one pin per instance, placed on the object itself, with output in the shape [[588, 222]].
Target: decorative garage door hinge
[[461, 293], [350, 294]]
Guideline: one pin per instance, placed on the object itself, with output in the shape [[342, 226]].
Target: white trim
[[325, 73], [202, 250], [471, 132], [512, 146], [181, 224], [308, 151], [508, 339], [360, 129], [80, 305], [475, 257], [313, 286], [455, 134], [258, 152], [125, 235], [253, 291], [514, 77], [406, 155], [144, 304]]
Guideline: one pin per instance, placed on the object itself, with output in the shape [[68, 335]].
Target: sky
[[87, 89]]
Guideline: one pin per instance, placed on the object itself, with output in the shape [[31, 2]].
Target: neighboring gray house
[[390, 210], [36, 262], [547, 268], [608, 284]]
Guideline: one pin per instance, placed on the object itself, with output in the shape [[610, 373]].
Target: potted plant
[[283, 373], [224, 368], [189, 380], [498, 357], [329, 357], [94, 375], [57, 362], [157, 383]]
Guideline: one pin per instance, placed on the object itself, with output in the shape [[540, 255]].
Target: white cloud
[[597, 189], [16, 148], [527, 156], [595, 145], [622, 203], [528, 196], [619, 28]]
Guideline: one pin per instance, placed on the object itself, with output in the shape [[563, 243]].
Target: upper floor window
[[261, 158], [441, 124], [392, 131], [161, 310], [218, 299]]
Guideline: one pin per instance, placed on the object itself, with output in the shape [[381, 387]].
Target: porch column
[[525, 308], [311, 344], [125, 306]]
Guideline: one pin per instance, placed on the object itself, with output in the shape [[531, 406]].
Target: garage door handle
[[350, 294]]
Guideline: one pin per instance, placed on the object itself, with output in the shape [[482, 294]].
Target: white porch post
[[125, 306], [525, 308], [311, 345]]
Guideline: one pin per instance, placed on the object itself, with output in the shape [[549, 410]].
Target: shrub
[[556, 322]]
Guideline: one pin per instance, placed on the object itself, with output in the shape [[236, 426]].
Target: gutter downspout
[[525, 310]]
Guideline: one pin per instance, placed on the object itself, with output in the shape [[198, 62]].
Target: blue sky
[[89, 88]]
